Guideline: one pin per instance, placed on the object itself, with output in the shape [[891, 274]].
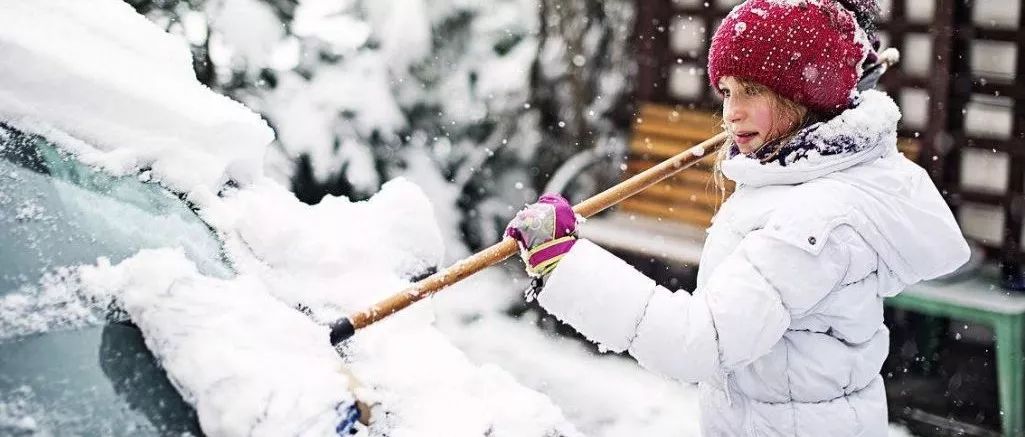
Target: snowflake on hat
[[809, 51]]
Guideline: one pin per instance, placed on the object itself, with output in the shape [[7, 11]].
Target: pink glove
[[545, 231]]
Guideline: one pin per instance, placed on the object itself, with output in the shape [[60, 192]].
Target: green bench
[[978, 299]]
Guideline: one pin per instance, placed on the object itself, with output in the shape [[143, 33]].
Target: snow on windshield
[[250, 353], [232, 350]]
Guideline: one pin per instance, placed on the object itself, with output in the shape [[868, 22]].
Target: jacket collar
[[865, 132]]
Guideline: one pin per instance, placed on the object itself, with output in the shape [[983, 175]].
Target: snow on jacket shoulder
[[785, 330]]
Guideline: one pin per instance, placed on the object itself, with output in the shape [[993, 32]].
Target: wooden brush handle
[[346, 327]]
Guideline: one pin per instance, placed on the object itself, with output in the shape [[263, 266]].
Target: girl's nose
[[734, 113]]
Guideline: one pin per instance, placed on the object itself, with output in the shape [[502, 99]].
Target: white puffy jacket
[[785, 332]]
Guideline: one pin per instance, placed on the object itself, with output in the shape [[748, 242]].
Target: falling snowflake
[[739, 28]]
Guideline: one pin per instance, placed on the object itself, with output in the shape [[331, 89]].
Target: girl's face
[[753, 115]]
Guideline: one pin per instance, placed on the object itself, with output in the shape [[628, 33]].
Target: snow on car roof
[[103, 80]]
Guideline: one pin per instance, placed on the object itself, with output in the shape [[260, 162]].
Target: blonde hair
[[785, 109]]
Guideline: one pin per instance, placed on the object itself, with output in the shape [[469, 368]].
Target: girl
[[784, 333]]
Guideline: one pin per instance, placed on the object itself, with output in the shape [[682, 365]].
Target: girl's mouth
[[744, 137]]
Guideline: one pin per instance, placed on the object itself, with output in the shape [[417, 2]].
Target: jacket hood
[[899, 212], [865, 132], [861, 180]]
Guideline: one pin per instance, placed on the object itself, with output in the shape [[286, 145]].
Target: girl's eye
[[725, 92], [751, 91]]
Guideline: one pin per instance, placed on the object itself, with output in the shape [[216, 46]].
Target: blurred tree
[[583, 77], [481, 87]]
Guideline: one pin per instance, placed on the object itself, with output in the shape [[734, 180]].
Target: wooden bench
[[667, 220], [689, 197]]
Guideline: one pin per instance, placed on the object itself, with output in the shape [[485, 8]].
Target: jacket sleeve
[[740, 313], [598, 294]]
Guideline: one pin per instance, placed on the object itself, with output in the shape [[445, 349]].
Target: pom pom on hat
[[809, 51]]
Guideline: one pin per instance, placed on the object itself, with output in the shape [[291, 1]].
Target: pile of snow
[[231, 349], [250, 352], [329, 259]]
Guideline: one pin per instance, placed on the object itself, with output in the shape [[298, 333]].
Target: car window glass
[[55, 211], [94, 378], [95, 381]]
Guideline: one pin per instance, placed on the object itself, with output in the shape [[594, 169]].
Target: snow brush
[[345, 327]]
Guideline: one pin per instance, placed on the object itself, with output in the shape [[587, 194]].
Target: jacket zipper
[[745, 421]]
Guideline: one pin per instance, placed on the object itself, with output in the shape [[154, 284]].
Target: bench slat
[[690, 196], [659, 148], [683, 213], [705, 200]]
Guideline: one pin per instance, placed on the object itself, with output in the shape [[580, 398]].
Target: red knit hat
[[809, 51]]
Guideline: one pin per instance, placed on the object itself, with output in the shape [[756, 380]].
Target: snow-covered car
[[63, 368]]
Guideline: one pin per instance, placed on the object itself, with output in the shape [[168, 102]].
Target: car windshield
[[98, 378]]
